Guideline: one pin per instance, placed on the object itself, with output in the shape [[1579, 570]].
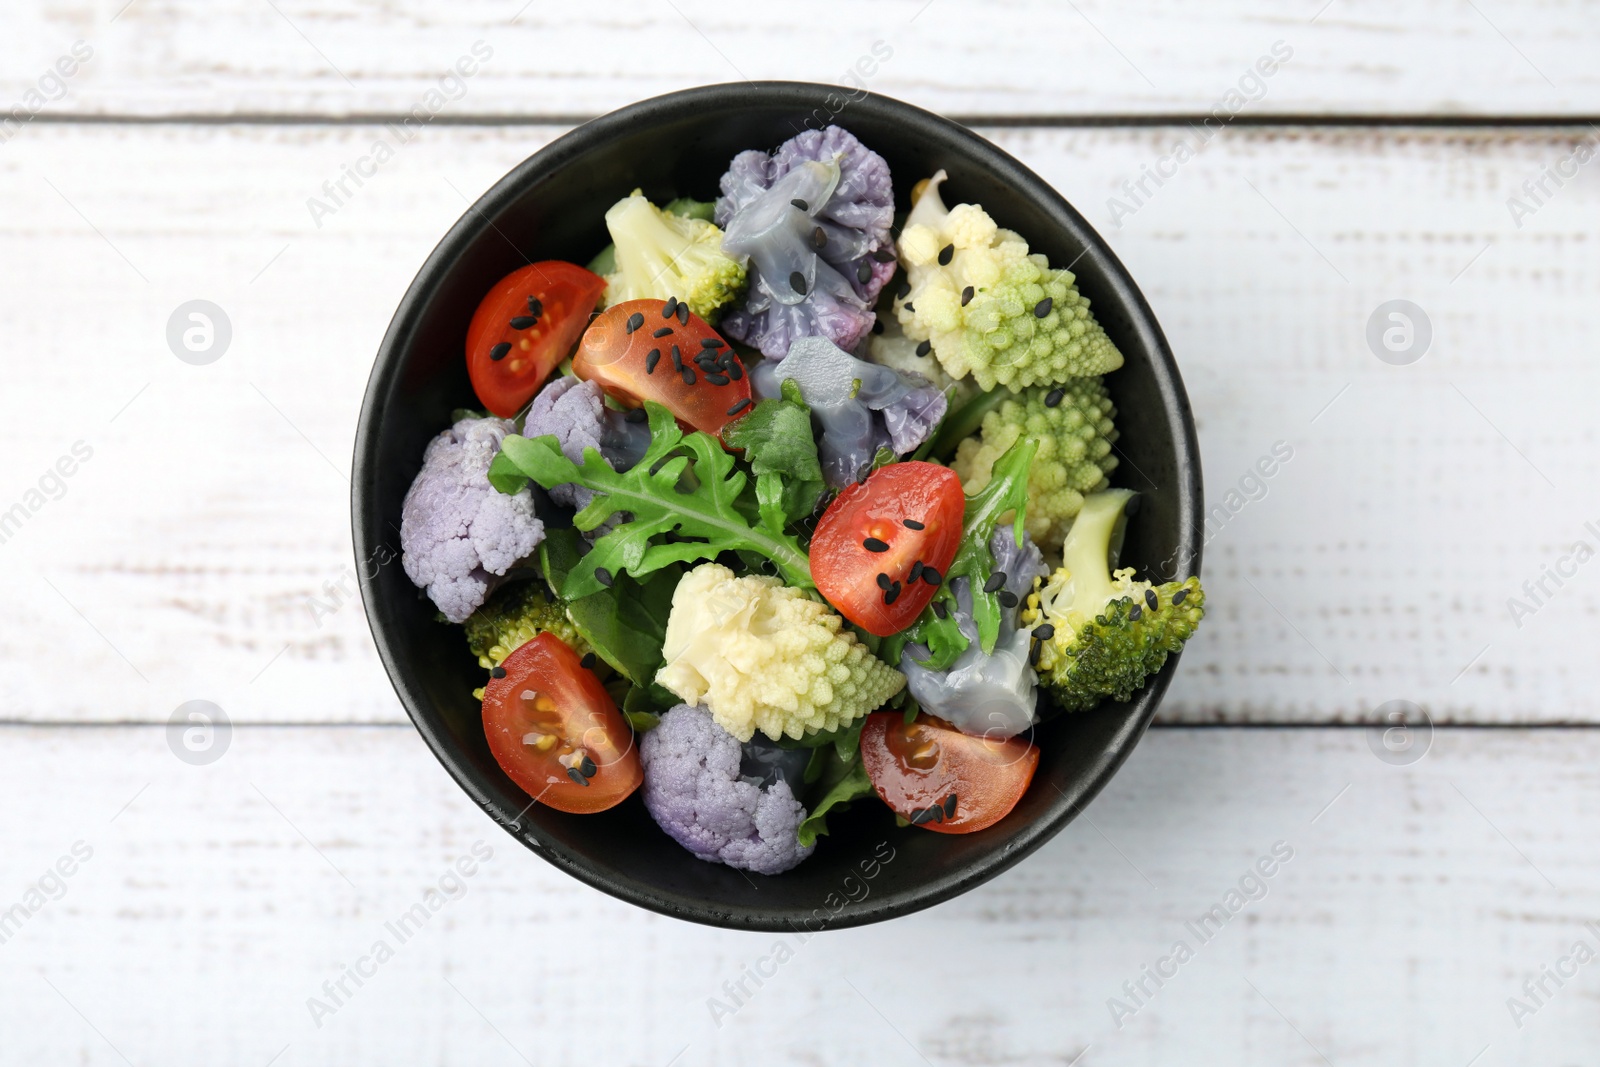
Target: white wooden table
[[186, 557]]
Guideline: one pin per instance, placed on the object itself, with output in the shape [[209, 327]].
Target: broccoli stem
[[1086, 555]]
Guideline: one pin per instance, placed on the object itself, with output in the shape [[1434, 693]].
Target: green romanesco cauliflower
[[990, 308], [1075, 435], [1110, 632], [513, 616], [658, 254], [760, 655]]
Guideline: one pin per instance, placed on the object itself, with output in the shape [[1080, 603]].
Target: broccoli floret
[[760, 655], [696, 790], [512, 617], [989, 308], [1075, 435], [1110, 631], [660, 255]]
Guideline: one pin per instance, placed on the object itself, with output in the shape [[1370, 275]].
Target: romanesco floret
[[760, 655], [1111, 632], [1074, 458], [512, 617], [989, 308], [659, 255]]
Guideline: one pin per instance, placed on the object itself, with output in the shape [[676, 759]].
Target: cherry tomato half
[[524, 328], [642, 350], [881, 549], [942, 779], [557, 733]]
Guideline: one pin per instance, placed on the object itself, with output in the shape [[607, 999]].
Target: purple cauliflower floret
[[988, 694], [574, 412], [815, 271], [860, 406], [458, 535], [694, 790]]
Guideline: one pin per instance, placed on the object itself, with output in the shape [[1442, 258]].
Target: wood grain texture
[[212, 517], [220, 899], [1015, 57]]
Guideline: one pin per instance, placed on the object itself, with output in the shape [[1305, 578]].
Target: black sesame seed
[[603, 576], [931, 576], [587, 767], [864, 272], [914, 573], [924, 348], [522, 322], [711, 342], [734, 370], [946, 254], [677, 358], [688, 376], [797, 282], [587, 662], [1008, 599], [740, 406], [635, 321], [910, 306], [801, 204], [877, 325], [872, 544], [683, 314], [1033, 653], [716, 379], [498, 672], [670, 308], [651, 360], [535, 306], [996, 580], [1042, 308], [819, 238], [967, 295], [883, 581], [940, 610], [918, 817], [1134, 612], [1179, 597], [577, 776], [1054, 397], [893, 594], [904, 290], [665, 331], [1151, 599], [637, 415], [883, 255], [498, 352], [950, 806], [1044, 631], [913, 524]]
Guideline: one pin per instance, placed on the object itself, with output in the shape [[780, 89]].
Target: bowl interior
[[552, 207]]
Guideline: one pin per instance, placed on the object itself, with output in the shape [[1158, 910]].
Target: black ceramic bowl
[[551, 207]]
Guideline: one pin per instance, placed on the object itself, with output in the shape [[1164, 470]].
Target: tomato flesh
[[524, 328], [629, 350], [873, 546], [942, 779], [557, 733]]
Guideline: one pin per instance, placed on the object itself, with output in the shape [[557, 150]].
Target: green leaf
[[625, 624], [686, 485], [641, 709], [777, 441], [846, 740], [961, 423], [848, 781], [1007, 491]]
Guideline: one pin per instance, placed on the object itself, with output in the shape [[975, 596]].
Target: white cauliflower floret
[[760, 655]]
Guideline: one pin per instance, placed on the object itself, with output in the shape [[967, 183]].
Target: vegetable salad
[[783, 505]]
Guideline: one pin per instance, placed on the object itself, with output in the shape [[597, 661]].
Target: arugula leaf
[[702, 510], [1007, 491], [778, 444], [625, 624], [848, 781], [639, 707]]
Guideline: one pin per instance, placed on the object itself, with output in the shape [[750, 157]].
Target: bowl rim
[[1118, 287]]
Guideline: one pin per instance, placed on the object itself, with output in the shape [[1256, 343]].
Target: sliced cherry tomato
[[942, 779], [556, 732], [649, 350], [881, 548], [524, 328]]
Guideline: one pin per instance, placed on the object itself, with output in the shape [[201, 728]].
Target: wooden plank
[[213, 513], [1023, 57], [216, 903]]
